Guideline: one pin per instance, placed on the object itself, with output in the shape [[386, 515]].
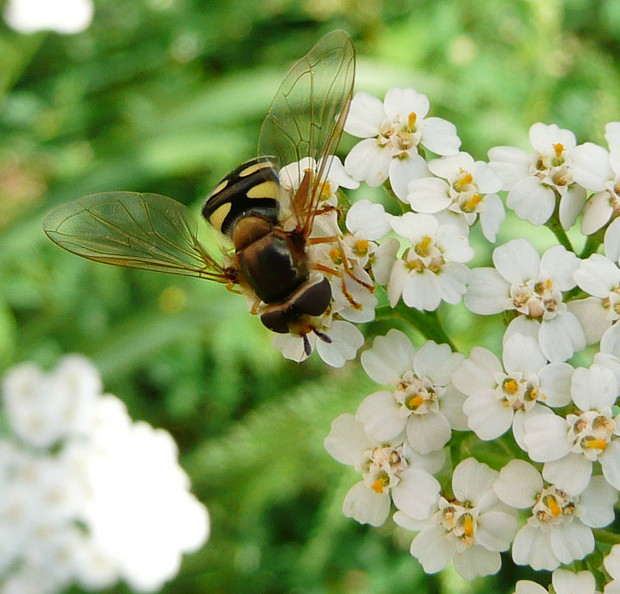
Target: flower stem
[[591, 245], [426, 322], [554, 225]]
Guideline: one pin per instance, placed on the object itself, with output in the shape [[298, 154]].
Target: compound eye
[[275, 321], [313, 301]]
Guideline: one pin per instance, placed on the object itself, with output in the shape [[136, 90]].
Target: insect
[[269, 225]]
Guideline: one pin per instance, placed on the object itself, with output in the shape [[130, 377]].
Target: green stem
[[591, 245], [426, 322], [554, 225]]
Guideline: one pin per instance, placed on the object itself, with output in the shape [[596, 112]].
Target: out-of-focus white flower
[[62, 16], [559, 529], [535, 181], [393, 130], [564, 582], [470, 528], [461, 190], [390, 471], [432, 269], [598, 170], [570, 446], [499, 399], [424, 402], [140, 513], [532, 286], [44, 408], [118, 481]]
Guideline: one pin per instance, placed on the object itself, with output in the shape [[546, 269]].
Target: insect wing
[[145, 231], [307, 116]]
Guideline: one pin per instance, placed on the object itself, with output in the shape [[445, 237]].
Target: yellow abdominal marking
[[219, 188], [266, 189], [255, 167], [219, 214]]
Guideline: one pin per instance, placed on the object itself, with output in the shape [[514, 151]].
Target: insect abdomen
[[251, 189]]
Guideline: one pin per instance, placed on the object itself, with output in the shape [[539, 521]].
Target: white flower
[[471, 528], [536, 180], [599, 277], [463, 188], [564, 582], [598, 170], [368, 218], [432, 269], [559, 529], [292, 175], [62, 16], [389, 471], [393, 131], [612, 565], [498, 399], [118, 481], [424, 402], [569, 446], [336, 342], [612, 241], [141, 513], [44, 408], [531, 286]]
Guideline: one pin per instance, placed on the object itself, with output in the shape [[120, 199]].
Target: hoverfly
[[268, 225]]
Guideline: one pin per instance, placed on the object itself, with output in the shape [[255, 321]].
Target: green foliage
[[166, 96]]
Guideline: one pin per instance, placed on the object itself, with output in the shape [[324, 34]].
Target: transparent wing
[[145, 231], [308, 113]]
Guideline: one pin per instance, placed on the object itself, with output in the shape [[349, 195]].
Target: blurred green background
[[167, 96]]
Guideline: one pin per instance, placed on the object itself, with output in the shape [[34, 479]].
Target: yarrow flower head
[[460, 191], [395, 131], [391, 471], [532, 287], [599, 277], [564, 582], [559, 529], [432, 268], [500, 397], [470, 528], [570, 445], [423, 403], [598, 170], [537, 181], [73, 506]]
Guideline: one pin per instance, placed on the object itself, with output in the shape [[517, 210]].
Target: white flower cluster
[[561, 475], [63, 16], [86, 495]]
